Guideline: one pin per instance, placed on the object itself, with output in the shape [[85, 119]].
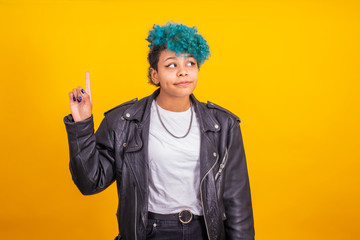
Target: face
[[177, 75]]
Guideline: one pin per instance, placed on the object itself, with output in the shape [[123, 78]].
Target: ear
[[154, 76]]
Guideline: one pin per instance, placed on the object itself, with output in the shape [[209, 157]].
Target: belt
[[185, 216]]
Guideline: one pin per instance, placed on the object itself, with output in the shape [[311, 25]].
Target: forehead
[[165, 54]]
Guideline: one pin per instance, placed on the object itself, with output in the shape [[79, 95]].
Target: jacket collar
[[140, 112], [205, 116]]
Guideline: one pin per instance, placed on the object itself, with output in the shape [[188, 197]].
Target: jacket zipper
[[202, 201], [135, 211], [222, 165]]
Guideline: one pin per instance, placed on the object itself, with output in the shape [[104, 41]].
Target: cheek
[[168, 75], [195, 74]]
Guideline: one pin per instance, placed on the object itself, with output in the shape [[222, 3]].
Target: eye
[[191, 63], [171, 65]]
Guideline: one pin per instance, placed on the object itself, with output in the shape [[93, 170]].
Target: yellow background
[[288, 69]]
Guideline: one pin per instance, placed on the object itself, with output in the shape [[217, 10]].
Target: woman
[[179, 164]]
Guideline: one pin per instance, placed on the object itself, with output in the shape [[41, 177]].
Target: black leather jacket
[[118, 151]]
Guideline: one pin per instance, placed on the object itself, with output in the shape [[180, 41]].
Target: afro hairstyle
[[177, 38]]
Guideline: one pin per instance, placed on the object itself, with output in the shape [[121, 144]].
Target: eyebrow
[[190, 56], [170, 58]]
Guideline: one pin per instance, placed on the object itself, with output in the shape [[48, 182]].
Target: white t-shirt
[[174, 177]]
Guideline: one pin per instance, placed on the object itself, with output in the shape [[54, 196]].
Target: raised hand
[[81, 101]]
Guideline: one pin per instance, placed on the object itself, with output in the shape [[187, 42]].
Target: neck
[[174, 104]]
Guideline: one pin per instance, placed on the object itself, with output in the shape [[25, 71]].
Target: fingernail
[[83, 91], [74, 99], [79, 99]]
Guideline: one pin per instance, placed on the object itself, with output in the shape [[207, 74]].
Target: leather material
[[118, 151]]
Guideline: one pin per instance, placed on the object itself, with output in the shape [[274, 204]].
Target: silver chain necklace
[[191, 118]]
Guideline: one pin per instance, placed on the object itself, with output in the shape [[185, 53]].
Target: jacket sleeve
[[239, 223], [91, 155]]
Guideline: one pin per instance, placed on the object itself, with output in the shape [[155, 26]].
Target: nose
[[182, 71]]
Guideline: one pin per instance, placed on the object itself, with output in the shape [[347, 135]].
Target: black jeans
[[175, 230]]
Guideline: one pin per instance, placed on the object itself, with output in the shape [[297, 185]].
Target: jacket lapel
[[208, 124], [209, 157], [137, 154]]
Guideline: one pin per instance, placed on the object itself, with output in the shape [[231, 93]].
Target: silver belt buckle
[[180, 216]]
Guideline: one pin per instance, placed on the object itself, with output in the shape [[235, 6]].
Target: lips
[[183, 83]]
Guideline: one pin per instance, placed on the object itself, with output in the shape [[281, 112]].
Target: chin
[[178, 91], [184, 92]]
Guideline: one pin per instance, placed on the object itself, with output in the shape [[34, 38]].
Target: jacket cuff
[[80, 128]]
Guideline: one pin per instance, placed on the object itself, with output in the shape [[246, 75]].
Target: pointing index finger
[[87, 83]]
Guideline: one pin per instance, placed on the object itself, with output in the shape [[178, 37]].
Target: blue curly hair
[[177, 38]]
